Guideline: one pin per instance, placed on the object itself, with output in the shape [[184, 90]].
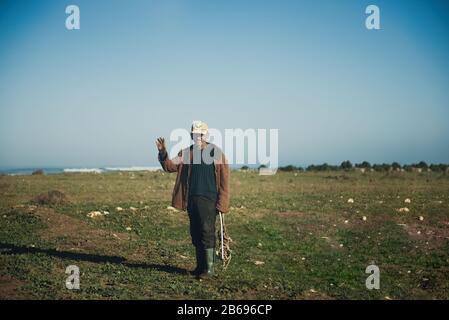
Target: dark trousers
[[202, 215]]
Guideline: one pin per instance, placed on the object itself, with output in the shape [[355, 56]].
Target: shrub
[[52, 197], [421, 165], [346, 165], [438, 167], [381, 167], [288, 168], [364, 164], [396, 166]]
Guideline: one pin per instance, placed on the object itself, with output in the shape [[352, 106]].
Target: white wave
[[133, 169], [89, 170]]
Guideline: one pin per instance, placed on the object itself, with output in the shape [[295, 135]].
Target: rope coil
[[224, 243]]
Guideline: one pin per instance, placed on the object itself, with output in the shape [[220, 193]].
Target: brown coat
[[182, 165]]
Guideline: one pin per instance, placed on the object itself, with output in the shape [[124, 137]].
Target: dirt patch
[[139, 254], [53, 197], [76, 235], [10, 289], [435, 236]]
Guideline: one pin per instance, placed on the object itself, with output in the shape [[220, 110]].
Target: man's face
[[198, 138]]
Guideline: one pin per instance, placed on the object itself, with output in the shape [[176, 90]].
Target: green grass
[[312, 242]]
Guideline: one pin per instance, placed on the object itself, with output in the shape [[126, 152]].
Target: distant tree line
[[365, 166]]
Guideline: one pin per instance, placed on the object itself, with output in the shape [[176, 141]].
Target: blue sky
[[136, 70]]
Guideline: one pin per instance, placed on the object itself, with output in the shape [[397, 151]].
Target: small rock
[[119, 209], [132, 209], [258, 263], [407, 200], [94, 214], [350, 200], [364, 218], [421, 218], [128, 229]]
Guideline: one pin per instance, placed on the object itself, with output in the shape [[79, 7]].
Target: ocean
[[29, 171]]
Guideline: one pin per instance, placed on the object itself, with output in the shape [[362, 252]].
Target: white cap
[[199, 127]]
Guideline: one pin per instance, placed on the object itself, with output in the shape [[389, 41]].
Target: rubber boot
[[209, 257], [199, 262]]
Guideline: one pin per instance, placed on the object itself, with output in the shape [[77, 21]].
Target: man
[[201, 188]]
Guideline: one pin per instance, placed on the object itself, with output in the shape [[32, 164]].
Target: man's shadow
[[6, 248]]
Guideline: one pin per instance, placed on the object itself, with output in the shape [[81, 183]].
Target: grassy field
[[295, 236]]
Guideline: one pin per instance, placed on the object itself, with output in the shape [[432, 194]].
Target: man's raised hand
[[160, 144]]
